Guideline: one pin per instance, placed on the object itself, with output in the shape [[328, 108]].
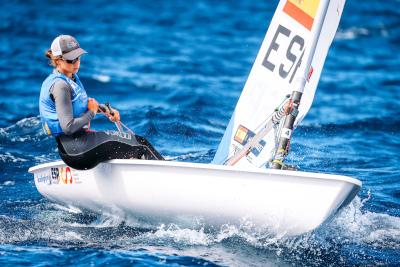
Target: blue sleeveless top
[[47, 107]]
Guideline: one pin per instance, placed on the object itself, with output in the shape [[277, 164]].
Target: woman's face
[[68, 68]]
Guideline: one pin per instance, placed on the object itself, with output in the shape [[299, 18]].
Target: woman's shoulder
[[61, 86]]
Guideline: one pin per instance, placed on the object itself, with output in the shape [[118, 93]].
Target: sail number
[[293, 62]]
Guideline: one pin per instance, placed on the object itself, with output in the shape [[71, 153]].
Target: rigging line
[[275, 119], [127, 128], [117, 124], [277, 128], [269, 116]]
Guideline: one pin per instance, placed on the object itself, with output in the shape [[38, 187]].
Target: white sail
[[294, 50]]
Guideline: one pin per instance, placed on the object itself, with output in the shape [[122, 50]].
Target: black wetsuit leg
[[84, 150]]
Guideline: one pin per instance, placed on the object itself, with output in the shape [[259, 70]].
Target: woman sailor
[[66, 112]]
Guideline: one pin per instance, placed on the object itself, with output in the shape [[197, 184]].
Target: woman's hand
[[93, 105], [114, 117]]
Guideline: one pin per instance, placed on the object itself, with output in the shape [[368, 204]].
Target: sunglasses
[[73, 61]]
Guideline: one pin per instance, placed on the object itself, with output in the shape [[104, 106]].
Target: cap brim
[[74, 54]]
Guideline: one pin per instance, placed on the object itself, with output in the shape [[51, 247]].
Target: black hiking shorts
[[84, 150]]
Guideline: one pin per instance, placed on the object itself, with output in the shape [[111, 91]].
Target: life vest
[[47, 107]]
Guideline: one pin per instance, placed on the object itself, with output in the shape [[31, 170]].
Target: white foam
[[183, 236], [8, 157], [23, 130], [69, 235], [69, 209], [351, 226], [107, 221], [366, 227], [351, 33], [102, 78], [7, 183]]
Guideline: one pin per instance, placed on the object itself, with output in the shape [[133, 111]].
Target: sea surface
[[175, 70]]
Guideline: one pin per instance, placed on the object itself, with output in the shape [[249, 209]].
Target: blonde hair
[[52, 59]]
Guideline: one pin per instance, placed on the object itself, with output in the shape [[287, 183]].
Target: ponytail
[[52, 59], [48, 53]]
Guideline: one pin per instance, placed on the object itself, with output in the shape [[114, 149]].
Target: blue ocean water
[[175, 70]]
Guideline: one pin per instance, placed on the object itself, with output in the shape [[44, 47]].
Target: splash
[[68, 227], [354, 225], [177, 235], [104, 221]]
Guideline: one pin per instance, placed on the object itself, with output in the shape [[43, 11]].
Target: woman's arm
[[62, 93]]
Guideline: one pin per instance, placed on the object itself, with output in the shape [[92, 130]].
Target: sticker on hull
[[59, 175]]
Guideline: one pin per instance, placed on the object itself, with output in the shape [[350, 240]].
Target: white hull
[[163, 192]]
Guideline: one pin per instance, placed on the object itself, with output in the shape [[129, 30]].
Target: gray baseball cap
[[67, 47]]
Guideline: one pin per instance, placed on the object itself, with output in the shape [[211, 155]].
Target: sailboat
[[248, 182]]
